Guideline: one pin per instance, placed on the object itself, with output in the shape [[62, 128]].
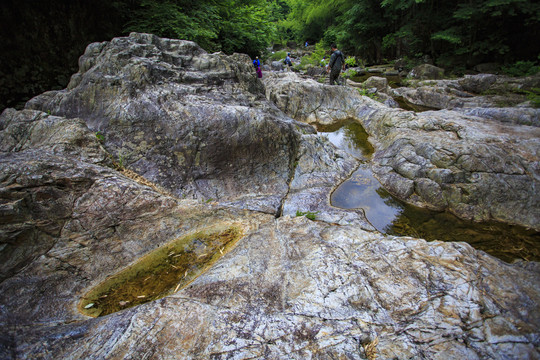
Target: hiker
[[256, 62], [307, 44], [337, 62], [288, 61], [323, 61]]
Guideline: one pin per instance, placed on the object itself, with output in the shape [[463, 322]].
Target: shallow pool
[[394, 217]]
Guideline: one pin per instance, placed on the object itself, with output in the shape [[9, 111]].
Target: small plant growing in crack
[[309, 214], [100, 137]]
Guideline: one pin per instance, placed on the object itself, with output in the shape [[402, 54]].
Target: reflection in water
[[393, 217], [349, 136]]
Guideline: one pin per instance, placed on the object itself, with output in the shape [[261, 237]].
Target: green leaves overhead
[[451, 31], [217, 25]]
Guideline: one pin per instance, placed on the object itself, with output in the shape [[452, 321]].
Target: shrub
[[521, 68], [278, 55], [534, 97]]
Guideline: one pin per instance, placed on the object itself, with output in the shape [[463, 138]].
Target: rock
[[380, 83], [426, 72], [358, 70], [515, 115], [477, 83], [401, 65], [316, 71], [291, 287], [277, 66], [376, 70], [316, 175], [488, 68], [478, 169], [150, 96], [498, 92]]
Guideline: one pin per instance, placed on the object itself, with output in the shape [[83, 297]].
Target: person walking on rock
[[337, 62], [288, 61], [256, 62]]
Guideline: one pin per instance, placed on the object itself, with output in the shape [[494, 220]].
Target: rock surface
[[426, 72], [290, 288], [477, 168], [149, 96], [488, 96]]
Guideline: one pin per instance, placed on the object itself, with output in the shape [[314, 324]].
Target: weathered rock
[[476, 168], [426, 72], [497, 92], [149, 96], [477, 83], [380, 83], [314, 179], [316, 71], [277, 66], [290, 288]]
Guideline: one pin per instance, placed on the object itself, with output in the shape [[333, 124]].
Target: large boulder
[[426, 72], [148, 96]]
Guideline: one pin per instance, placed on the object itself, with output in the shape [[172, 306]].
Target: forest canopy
[[43, 39]]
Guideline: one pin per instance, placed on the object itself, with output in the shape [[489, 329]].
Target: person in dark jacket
[[337, 62]]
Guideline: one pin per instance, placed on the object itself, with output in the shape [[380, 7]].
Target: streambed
[[394, 217]]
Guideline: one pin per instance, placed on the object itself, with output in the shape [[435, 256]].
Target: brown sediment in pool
[[161, 272]]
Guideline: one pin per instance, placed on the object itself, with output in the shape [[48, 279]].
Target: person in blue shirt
[[256, 62], [288, 61]]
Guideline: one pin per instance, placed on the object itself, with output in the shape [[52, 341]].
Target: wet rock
[[477, 168], [319, 168], [294, 286]]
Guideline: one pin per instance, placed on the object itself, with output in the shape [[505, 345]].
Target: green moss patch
[[161, 272]]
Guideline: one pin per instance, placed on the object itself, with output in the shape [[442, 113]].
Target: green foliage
[[521, 68], [365, 92], [350, 73], [278, 55], [121, 161], [309, 214], [468, 32], [350, 60], [217, 25], [314, 59], [534, 97], [100, 137]]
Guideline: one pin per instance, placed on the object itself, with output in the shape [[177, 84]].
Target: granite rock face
[[149, 96], [478, 168], [488, 96], [290, 288]]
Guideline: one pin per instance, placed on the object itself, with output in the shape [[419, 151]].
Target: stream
[[394, 217]]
